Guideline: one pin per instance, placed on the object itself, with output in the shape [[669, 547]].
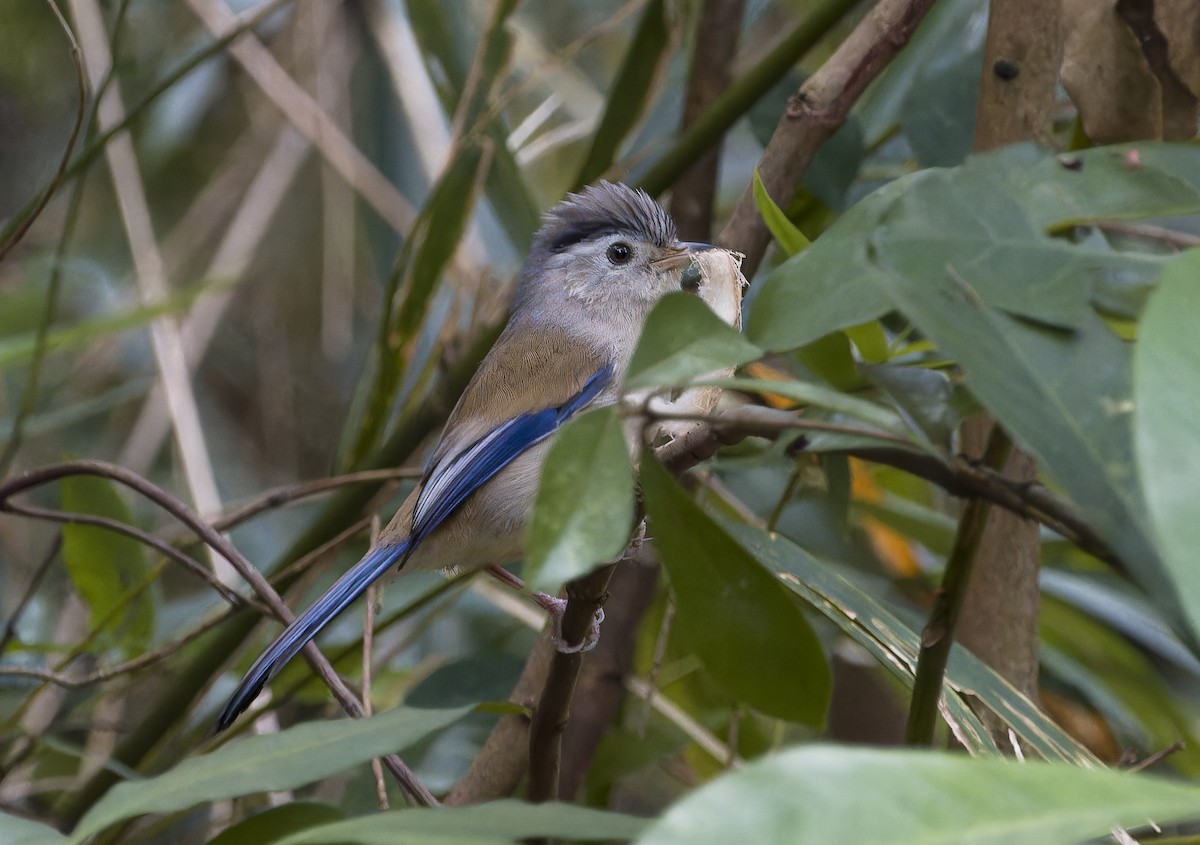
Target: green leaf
[[269, 762], [895, 645], [15, 830], [277, 822], [583, 514], [683, 339], [825, 288], [750, 634], [630, 93], [107, 569], [831, 795], [989, 219], [493, 823], [1166, 373], [964, 254], [783, 230], [871, 342], [806, 393]]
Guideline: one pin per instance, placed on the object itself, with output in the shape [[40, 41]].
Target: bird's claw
[[556, 608]]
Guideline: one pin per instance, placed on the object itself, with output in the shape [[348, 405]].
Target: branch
[[717, 34], [814, 113], [216, 541], [27, 220], [957, 476], [585, 596]]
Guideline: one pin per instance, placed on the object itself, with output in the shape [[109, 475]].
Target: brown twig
[[600, 686], [956, 476], [1161, 234], [815, 112], [498, 768], [117, 527], [289, 493], [716, 41]]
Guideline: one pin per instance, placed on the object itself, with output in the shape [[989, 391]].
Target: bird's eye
[[620, 253]]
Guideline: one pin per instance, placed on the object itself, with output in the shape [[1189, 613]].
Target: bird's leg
[[555, 608]]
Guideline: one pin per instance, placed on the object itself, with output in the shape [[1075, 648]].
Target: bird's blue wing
[[448, 485], [458, 476]]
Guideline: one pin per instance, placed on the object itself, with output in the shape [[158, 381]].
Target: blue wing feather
[[446, 488], [343, 592], [450, 484]]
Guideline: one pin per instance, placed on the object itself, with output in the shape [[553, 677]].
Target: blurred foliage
[[1045, 288]]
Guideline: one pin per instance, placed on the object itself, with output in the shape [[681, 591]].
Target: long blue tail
[[343, 592]]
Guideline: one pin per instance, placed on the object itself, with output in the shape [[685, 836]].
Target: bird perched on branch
[[599, 263]]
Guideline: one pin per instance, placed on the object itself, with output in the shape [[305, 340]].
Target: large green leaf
[[826, 795], [896, 645], [107, 568], [15, 830], [682, 339], [494, 823], [1167, 411], [277, 822], [584, 509], [750, 634], [994, 213], [265, 763], [965, 255]]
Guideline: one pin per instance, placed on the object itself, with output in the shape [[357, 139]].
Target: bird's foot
[[556, 607]]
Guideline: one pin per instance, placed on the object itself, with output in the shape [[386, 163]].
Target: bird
[[601, 260]]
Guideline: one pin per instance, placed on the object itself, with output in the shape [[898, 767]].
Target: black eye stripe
[[579, 234]]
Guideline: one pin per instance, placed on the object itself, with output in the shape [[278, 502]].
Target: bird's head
[[608, 243]]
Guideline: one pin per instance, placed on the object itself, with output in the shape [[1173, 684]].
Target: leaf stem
[[938, 634]]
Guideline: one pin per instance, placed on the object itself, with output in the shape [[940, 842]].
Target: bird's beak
[[679, 255]]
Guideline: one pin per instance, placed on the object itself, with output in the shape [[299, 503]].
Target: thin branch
[[288, 493], [217, 48], [116, 526], [815, 112], [938, 635], [29, 391], [1161, 234], [956, 476], [149, 271], [29, 217], [215, 540], [39, 572], [107, 673]]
